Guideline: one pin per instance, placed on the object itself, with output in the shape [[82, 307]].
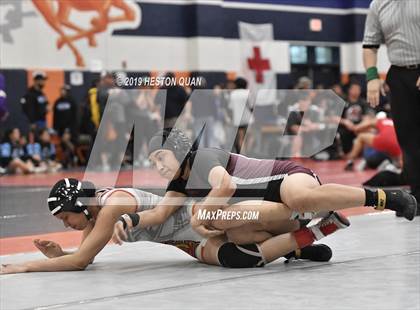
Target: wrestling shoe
[[329, 225], [401, 202], [314, 252]]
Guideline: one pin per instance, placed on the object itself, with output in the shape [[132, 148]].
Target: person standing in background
[[241, 116], [204, 110], [397, 23], [65, 112], [35, 103], [173, 104]]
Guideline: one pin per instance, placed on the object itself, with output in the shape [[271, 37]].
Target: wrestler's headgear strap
[[176, 141], [65, 194]]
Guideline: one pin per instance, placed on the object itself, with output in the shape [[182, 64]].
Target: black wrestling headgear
[[65, 194], [171, 139]]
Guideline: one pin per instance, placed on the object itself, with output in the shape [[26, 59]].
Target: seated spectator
[[68, 149], [48, 152], [303, 83], [384, 140], [338, 89], [33, 153], [12, 154], [307, 127], [354, 112]]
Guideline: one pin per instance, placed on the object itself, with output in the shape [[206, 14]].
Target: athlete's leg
[[217, 251], [208, 249], [303, 193], [259, 232], [248, 233], [281, 245], [19, 165], [362, 140], [268, 212]]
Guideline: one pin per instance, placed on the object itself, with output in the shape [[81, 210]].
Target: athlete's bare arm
[[171, 202], [222, 190], [52, 249], [95, 241], [367, 123]]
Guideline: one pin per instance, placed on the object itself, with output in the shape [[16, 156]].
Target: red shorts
[[386, 144]]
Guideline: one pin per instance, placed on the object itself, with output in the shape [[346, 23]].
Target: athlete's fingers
[[38, 242], [39, 245], [116, 238], [375, 100], [214, 233], [44, 242], [123, 235], [4, 268], [12, 268], [119, 233], [373, 92], [418, 83], [383, 90], [208, 233]]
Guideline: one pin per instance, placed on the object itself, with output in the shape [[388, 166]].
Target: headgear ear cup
[[88, 189]]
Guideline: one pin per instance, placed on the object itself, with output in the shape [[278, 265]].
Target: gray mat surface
[[376, 265]]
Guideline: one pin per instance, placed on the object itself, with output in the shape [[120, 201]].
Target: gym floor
[[375, 264]]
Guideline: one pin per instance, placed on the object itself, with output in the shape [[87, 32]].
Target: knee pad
[[240, 256]]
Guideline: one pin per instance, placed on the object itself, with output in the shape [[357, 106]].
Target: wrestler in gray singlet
[[176, 230]]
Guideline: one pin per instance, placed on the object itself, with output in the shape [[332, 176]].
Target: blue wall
[[216, 21]]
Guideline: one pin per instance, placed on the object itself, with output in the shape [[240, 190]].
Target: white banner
[[257, 65]]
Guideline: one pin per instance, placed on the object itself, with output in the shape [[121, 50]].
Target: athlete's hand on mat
[[200, 227], [418, 83], [49, 248], [119, 234], [12, 268], [374, 88]]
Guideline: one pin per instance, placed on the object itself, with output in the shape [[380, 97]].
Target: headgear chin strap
[[65, 194]]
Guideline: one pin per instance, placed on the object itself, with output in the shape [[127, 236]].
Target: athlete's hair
[[65, 194]]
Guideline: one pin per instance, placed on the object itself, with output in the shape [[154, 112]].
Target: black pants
[[347, 138], [405, 106]]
